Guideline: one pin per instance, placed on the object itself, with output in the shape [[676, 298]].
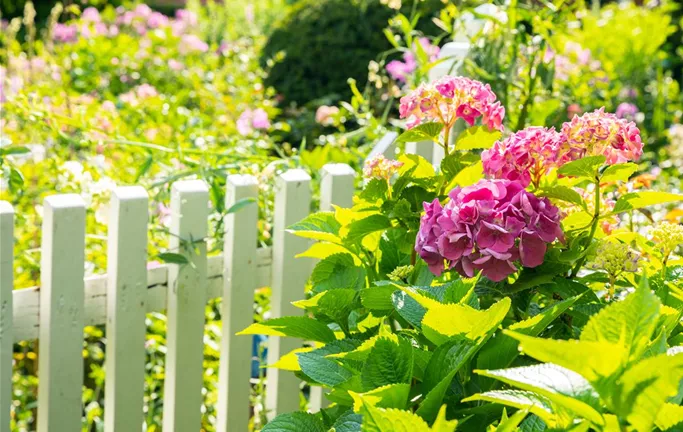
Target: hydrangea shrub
[[444, 295]]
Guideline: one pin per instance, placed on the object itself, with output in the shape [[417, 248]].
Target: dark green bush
[[328, 41]]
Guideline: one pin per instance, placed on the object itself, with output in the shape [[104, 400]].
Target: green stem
[[594, 227], [664, 261]]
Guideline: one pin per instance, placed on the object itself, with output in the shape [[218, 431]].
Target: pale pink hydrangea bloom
[[399, 70], [450, 98], [527, 155], [379, 167], [627, 110], [601, 133], [252, 119], [489, 226]]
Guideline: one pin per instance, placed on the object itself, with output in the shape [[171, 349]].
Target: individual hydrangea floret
[[601, 133], [489, 226], [668, 237], [527, 155], [379, 167], [450, 98]]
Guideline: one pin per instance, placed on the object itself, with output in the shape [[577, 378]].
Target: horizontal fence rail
[[56, 312]]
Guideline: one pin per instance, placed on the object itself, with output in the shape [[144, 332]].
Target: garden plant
[[530, 280]]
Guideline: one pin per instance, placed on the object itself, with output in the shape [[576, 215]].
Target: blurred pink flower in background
[[192, 43], [627, 110], [399, 70], [64, 33], [324, 114], [252, 119]]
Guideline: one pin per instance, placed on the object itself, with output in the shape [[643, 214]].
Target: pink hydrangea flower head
[[324, 115], [399, 70], [65, 33], [91, 14], [451, 98], [527, 155], [157, 20], [379, 167], [601, 133], [252, 119], [489, 227]]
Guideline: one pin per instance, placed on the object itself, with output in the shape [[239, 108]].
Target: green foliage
[[320, 44]]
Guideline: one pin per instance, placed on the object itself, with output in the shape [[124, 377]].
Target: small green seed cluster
[[401, 273], [668, 237], [614, 258]]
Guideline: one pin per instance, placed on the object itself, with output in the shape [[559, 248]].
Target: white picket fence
[[56, 312]]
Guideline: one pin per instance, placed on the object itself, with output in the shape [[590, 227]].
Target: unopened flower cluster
[[379, 167], [532, 152], [614, 258], [668, 236], [450, 98], [489, 226]]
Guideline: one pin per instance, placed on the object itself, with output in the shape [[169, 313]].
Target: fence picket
[[239, 283], [60, 368], [336, 186], [187, 295], [126, 307], [6, 312], [425, 149], [292, 203]]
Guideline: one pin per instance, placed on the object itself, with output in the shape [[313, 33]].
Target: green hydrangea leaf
[[630, 322], [318, 226], [638, 200], [362, 227], [619, 172], [669, 416], [443, 321], [348, 422], [520, 399], [563, 193], [561, 386], [337, 271], [389, 362], [316, 365], [295, 422], [388, 396], [477, 137], [500, 351], [595, 361], [293, 326], [586, 167], [645, 387], [425, 132]]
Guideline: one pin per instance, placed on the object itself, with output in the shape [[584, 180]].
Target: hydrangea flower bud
[[380, 167]]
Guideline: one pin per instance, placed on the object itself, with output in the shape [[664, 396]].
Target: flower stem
[[594, 227], [446, 139]]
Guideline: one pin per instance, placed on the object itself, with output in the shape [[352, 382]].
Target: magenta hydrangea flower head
[[380, 167], [489, 226], [527, 155], [601, 133], [450, 98]]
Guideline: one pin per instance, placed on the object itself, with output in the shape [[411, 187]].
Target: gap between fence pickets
[[27, 301]]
